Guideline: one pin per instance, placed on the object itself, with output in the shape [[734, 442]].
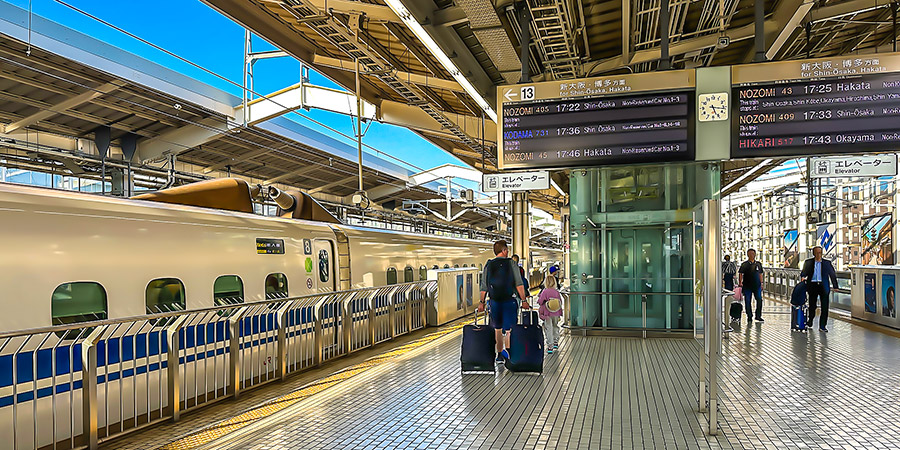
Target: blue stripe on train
[[68, 357]]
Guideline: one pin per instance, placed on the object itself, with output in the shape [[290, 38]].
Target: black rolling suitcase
[[528, 316], [526, 349], [479, 347]]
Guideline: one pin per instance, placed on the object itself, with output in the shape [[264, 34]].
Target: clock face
[[713, 107]]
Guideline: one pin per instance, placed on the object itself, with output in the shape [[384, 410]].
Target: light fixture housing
[[410, 21]]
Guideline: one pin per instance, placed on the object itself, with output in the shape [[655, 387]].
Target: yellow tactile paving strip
[[206, 435]]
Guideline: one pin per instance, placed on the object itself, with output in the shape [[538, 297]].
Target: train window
[[391, 275], [81, 301], [423, 272], [408, 274], [276, 286], [164, 295], [228, 290], [446, 266]]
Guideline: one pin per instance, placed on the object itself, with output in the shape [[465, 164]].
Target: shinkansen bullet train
[[70, 257]]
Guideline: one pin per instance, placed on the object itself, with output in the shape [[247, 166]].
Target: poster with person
[[869, 285], [888, 292], [789, 249]]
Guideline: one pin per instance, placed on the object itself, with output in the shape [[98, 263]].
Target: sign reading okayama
[[515, 181], [854, 166]]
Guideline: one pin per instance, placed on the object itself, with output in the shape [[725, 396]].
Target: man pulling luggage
[[501, 280]]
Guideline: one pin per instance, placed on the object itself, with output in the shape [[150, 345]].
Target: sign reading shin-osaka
[[847, 104], [597, 121]]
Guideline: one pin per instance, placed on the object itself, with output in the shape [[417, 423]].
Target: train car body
[[135, 252]]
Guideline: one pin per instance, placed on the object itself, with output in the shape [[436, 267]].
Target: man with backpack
[[501, 280]]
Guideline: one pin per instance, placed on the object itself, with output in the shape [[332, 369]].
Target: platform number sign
[[527, 93], [307, 247]]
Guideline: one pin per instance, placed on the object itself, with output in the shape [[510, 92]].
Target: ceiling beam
[[63, 106], [846, 8], [787, 16], [448, 17], [245, 157], [332, 184], [293, 173], [372, 11], [421, 80]]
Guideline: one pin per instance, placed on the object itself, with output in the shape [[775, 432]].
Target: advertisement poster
[[469, 289], [888, 291], [459, 292], [869, 284], [825, 237], [875, 239], [789, 252]]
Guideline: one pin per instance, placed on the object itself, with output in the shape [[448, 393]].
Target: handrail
[[154, 316], [628, 293], [180, 360]]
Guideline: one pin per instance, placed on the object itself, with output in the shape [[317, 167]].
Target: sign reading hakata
[[854, 166], [515, 181]]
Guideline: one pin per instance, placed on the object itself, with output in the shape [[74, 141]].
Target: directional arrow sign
[[509, 94]]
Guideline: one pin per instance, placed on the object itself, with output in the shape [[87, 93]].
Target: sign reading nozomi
[[854, 166], [515, 181]]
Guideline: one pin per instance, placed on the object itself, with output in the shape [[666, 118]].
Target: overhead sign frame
[[515, 181], [612, 88], [840, 104], [853, 166]]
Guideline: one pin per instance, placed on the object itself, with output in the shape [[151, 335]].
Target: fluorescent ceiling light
[[425, 38]]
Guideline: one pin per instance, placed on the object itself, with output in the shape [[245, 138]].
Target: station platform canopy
[[435, 65], [72, 89]]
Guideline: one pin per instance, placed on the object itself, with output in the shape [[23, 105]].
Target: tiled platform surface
[[780, 390]]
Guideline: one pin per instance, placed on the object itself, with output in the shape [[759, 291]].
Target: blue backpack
[[500, 283]]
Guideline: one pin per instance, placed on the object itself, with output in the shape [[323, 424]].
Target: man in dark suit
[[820, 276]]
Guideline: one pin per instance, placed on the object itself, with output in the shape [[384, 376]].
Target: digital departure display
[[848, 105], [598, 131], [617, 119]]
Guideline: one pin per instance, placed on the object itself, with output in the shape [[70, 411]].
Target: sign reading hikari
[[854, 166], [515, 181], [620, 119], [832, 105], [266, 246]]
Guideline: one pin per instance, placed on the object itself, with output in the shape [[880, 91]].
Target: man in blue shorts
[[501, 280]]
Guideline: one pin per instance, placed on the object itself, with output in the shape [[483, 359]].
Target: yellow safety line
[[220, 429]]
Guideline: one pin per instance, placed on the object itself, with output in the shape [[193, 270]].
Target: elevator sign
[[854, 166], [515, 181]]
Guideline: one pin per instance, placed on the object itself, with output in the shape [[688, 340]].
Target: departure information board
[[832, 105], [623, 119]]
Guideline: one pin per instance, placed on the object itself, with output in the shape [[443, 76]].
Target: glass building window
[[391, 275], [423, 272], [408, 274]]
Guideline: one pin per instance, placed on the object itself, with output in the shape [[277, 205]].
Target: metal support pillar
[[234, 348], [173, 367], [90, 409], [524, 43], [521, 232], [359, 131], [759, 20], [664, 63], [282, 321]]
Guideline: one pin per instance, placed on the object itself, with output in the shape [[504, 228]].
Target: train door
[[324, 276]]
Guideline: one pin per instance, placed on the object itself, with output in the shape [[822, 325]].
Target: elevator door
[[645, 278]]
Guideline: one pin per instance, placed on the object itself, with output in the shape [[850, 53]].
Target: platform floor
[[780, 390]]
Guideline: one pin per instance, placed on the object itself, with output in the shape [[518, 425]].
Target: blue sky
[[194, 31]]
